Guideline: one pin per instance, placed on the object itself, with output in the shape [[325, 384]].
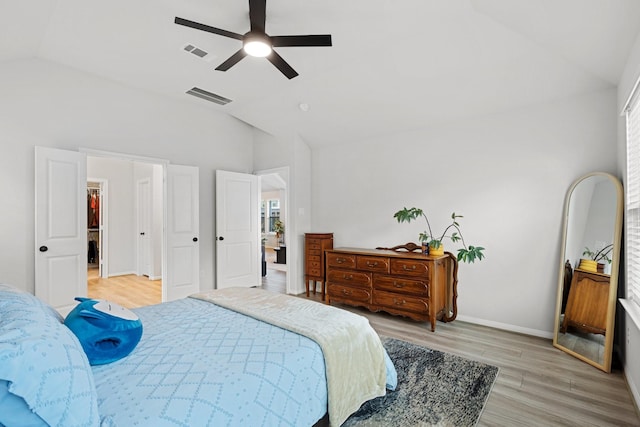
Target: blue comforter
[[199, 364]]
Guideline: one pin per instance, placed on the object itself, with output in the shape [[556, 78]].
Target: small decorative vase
[[425, 248], [436, 251], [588, 265]]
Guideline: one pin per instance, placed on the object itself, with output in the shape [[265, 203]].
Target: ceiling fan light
[[257, 48]]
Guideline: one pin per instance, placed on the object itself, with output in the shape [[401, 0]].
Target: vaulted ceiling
[[394, 65]]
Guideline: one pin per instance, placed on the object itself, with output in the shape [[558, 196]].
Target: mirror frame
[[613, 281]]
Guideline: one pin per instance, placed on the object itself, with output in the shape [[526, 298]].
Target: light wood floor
[[129, 291], [538, 385]]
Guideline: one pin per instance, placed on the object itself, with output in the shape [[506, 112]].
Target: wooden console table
[[281, 255], [409, 284]]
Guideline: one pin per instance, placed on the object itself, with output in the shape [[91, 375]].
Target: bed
[[223, 358]]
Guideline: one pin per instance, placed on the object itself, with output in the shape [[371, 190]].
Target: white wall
[[627, 329], [507, 174], [300, 209], [42, 103]]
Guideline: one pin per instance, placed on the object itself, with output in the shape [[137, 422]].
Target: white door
[[237, 230], [60, 227], [144, 227], [183, 249]]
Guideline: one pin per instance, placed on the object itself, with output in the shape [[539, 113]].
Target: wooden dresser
[[314, 246], [401, 283], [587, 302]]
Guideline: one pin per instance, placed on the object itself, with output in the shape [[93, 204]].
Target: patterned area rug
[[434, 389]]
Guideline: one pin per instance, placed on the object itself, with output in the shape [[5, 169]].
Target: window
[[632, 112], [270, 213]]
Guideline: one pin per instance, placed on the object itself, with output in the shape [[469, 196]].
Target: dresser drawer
[[349, 278], [401, 302], [341, 260], [313, 263], [346, 292], [372, 263], [314, 247], [401, 285], [316, 272], [316, 242], [314, 252], [409, 267]]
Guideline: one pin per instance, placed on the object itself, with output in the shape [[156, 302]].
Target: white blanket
[[353, 353]]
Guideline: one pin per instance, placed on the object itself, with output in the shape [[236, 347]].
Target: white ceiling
[[394, 65]]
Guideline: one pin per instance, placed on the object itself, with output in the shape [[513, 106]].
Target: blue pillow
[[43, 369], [107, 331]]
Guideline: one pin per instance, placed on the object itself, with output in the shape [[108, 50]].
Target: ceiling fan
[[257, 42]]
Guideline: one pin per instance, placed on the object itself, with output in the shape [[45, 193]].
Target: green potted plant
[[595, 257], [600, 255], [434, 242], [278, 227]]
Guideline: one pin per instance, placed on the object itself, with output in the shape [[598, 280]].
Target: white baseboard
[[506, 327], [123, 273], [633, 388]]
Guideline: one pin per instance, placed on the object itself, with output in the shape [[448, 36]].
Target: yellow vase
[[436, 251], [588, 265]]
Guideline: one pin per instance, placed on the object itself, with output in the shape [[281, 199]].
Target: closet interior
[[94, 229]]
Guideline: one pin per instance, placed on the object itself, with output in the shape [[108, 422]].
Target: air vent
[[212, 97], [194, 50]]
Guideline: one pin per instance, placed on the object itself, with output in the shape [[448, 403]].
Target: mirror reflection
[[588, 279]]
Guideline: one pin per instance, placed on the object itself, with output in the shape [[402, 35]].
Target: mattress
[[199, 364]]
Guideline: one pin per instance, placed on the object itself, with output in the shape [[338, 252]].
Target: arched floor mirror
[[588, 279]]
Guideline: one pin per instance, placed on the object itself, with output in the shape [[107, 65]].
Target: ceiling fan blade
[[257, 14], [233, 60], [310, 40], [207, 28], [281, 65]]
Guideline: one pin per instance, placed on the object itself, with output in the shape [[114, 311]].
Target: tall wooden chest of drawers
[[314, 268], [401, 283]]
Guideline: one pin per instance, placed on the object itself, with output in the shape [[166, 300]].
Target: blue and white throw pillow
[[45, 377]]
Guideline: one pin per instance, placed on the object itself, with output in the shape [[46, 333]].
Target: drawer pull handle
[[340, 260], [413, 267], [349, 277], [372, 264], [346, 292], [399, 301], [398, 285]]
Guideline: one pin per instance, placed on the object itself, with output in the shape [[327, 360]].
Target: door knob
[[220, 238], [195, 239], [142, 234], [43, 249]]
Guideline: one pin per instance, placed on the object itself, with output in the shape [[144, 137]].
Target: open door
[[60, 227], [144, 230], [237, 230], [183, 228]]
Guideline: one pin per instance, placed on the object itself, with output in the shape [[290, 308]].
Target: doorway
[[274, 224], [128, 267], [96, 228], [61, 225]]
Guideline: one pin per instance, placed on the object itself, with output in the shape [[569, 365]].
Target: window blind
[[633, 197]]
